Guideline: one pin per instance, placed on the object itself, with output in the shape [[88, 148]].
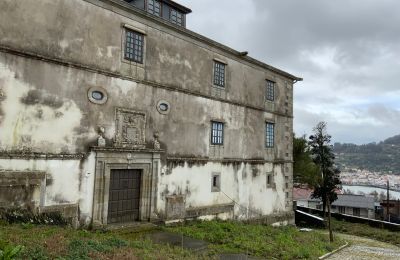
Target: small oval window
[[163, 107], [97, 95]]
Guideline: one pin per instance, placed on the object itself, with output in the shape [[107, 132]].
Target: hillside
[[379, 157]]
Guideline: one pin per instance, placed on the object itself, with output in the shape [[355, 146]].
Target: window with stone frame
[[219, 74], [270, 180], [269, 135], [216, 182], [217, 133], [270, 91], [134, 46], [154, 7]]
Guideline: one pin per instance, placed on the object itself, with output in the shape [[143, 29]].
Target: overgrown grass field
[[259, 240], [53, 242], [363, 230]]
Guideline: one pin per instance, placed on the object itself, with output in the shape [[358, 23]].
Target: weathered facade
[[126, 116]]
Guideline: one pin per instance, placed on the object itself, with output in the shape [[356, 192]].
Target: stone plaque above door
[[130, 129]]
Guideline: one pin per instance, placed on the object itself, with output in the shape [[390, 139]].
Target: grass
[[52, 242], [259, 240], [363, 230]]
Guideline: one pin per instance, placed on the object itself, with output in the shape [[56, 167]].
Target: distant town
[[368, 178]]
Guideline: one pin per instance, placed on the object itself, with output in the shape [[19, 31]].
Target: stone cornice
[[39, 156], [237, 54], [224, 160]]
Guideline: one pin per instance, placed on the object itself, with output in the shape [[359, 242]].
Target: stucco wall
[[242, 184], [58, 49]]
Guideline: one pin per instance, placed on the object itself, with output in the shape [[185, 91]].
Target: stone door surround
[[107, 159]]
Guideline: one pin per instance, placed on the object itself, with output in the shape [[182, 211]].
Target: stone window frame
[[128, 27], [162, 112], [269, 139], [270, 180], [270, 90], [216, 182], [216, 121], [97, 89], [214, 79]]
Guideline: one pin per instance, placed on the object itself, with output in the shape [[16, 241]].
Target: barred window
[[134, 46], [217, 133], [270, 91], [269, 135], [154, 7], [219, 74], [176, 17]]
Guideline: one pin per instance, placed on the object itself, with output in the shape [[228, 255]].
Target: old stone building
[[112, 111]]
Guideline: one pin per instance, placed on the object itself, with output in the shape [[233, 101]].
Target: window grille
[[219, 74], [134, 46], [217, 133], [154, 7], [270, 91], [176, 17], [270, 135]]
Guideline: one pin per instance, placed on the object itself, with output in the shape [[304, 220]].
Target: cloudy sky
[[347, 51]]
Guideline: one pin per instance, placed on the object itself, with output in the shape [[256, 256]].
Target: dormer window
[[165, 9], [176, 17], [154, 7]]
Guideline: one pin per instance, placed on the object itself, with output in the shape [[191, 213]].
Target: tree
[[323, 157], [304, 169]]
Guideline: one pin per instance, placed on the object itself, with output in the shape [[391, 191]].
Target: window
[[216, 182], [270, 91], [176, 17], [97, 95], [134, 46], [219, 74], [356, 212], [269, 135], [217, 133], [270, 180], [342, 210], [154, 7]]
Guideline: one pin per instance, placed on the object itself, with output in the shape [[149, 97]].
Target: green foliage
[[27, 217], [81, 249], [258, 240], [375, 157], [304, 169], [364, 230], [36, 253], [9, 252], [323, 156]]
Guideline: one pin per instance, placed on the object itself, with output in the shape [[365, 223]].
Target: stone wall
[[58, 51]]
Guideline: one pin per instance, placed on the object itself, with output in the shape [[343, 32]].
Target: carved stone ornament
[[101, 141], [2, 95], [130, 129], [156, 143]]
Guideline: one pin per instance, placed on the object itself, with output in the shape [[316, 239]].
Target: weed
[[10, 252]]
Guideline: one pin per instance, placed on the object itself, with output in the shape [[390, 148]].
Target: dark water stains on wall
[[38, 97]]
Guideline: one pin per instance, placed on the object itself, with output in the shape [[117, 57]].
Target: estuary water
[[368, 190]]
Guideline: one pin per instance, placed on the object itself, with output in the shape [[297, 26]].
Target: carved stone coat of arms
[[130, 129]]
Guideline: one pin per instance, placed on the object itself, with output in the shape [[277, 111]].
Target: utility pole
[[387, 202]]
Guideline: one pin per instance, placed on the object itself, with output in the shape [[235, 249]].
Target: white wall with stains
[[243, 184]]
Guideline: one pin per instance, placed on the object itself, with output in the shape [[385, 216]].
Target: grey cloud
[[346, 51]]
